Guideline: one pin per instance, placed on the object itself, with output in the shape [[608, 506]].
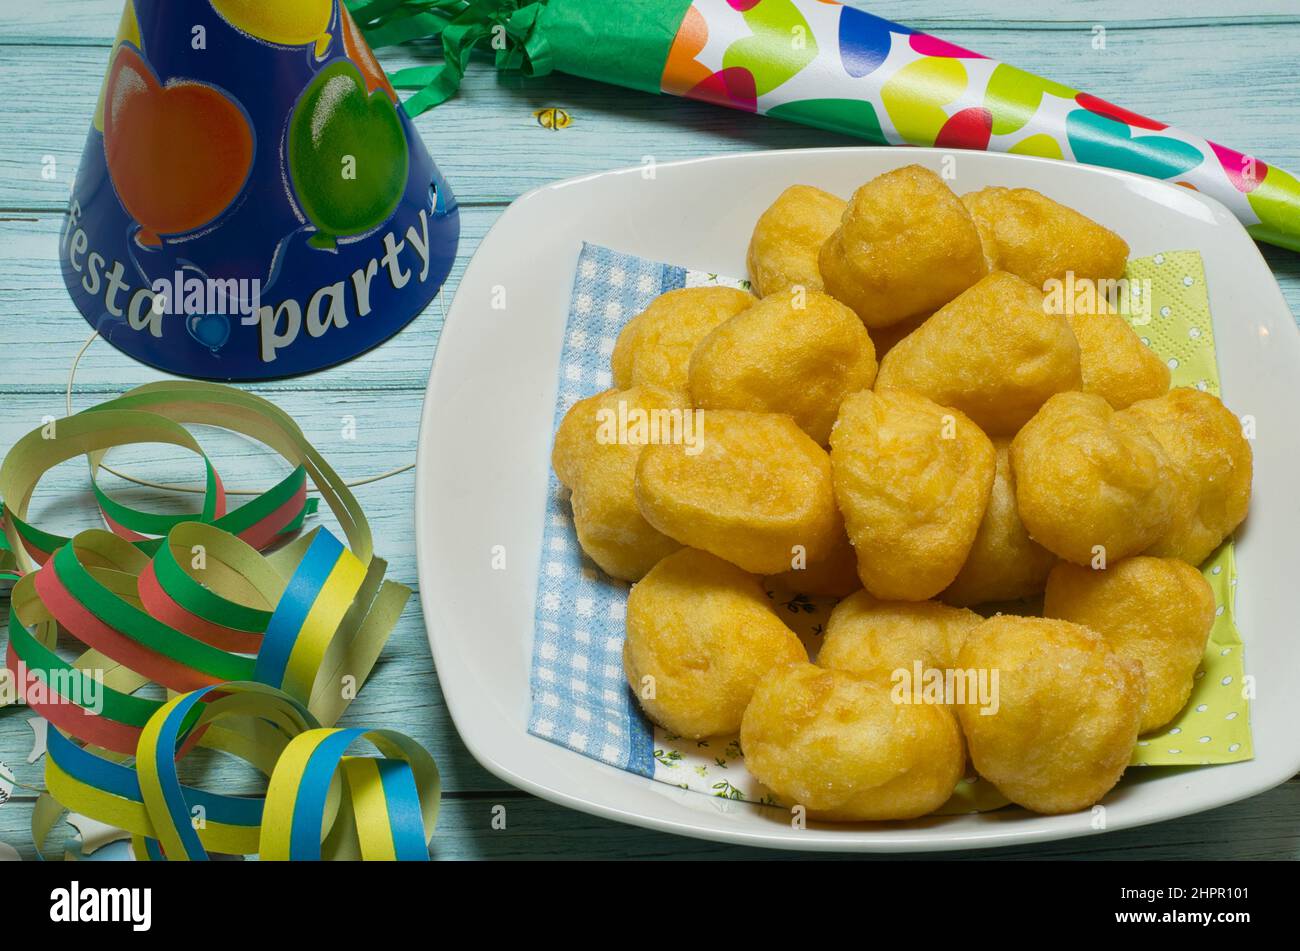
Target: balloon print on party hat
[[338, 117], [252, 201], [286, 22], [164, 189]]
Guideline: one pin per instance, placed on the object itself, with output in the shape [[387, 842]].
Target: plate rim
[[884, 838]]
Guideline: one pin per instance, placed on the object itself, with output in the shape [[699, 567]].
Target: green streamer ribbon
[[509, 26]]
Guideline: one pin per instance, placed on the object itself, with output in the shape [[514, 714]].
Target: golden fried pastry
[[1004, 563], [798, 353], [1067, 713], [758, 487], [1116, 364], [1204, 442], [1091, 482], [1038, 239], [788, 238], [598, 463], [837, 744], [994, 353], [823, 573], [906, 246], [912, 479], [655, 346], [1157, 611], [700, 634], [868, 636]]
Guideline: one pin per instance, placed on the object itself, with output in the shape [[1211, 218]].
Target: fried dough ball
[[1091, 480], [600, 470], [1116, 364], [912, 479], [1205, 445], [1004, 563], [655, 346], [1038, 239], [799, 353], [1067, 713], [827, 574], [837, 744], [757, 487], [906, 246], [868, 636], [994, 353], [788, 238], [704, 632], [1157, 611]]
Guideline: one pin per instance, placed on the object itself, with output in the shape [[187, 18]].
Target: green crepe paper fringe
[[508, 26]]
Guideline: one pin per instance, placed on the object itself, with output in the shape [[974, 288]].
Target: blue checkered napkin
[[579, 696]]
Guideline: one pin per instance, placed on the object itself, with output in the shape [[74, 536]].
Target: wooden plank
[[1259, 828], [36, 307], [64, 22], [1234, 83], [492, 149]]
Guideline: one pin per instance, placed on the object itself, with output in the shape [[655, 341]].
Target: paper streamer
[[832, 66], [256, 651], [385, 809]]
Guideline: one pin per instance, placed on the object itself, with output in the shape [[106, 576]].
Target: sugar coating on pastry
[[838, 745], [905, 247], [1116, 364], [1038, 239], [1092, 483], [994, 353], [1004, 563], [1213, 460], [794, 352], [827, 572], [1067, 712], [912, 479], [788, 239], [756, 487], [599, 467], [655, 346], [868, 636], [1157, 611], [700, 634]]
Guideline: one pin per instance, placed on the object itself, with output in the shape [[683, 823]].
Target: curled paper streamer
[[191, 603], [832, 66], [384, 808]]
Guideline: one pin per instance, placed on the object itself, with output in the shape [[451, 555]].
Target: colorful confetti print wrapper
[[835, 67]]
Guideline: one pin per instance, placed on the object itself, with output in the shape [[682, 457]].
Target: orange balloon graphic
[[358, 50], [178, 154]]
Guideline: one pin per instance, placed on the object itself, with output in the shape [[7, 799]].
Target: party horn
[[832, 66]]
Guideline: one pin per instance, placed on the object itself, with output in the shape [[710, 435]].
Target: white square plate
[[485, 444]]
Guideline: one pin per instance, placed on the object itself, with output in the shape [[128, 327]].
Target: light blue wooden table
[[1225, 70]]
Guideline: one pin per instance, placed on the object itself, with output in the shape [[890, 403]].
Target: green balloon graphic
[[347, 154]]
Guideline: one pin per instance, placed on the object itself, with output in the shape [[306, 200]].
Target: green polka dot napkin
[[1214, 727]]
